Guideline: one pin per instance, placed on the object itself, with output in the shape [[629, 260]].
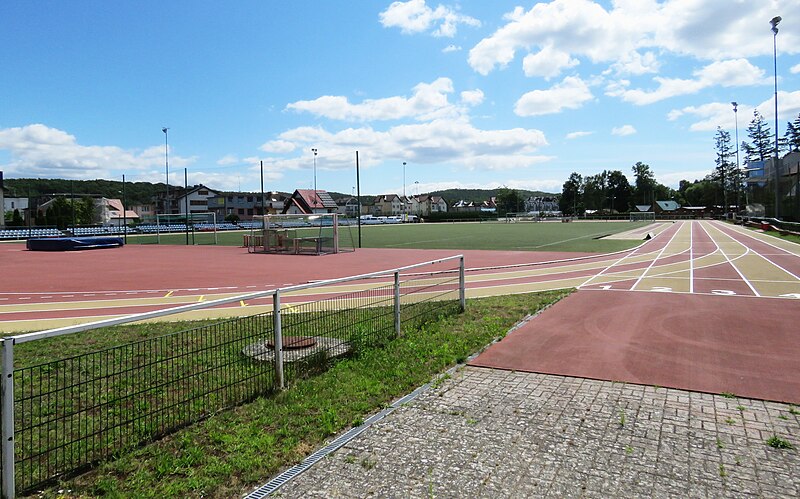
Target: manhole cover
[[293, 342]]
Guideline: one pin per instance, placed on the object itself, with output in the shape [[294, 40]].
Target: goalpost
[[643, 216], [315, 234], [201, 225]]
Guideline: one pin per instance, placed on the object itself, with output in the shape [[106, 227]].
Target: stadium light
[[404, 188], [738, 168], [314, 150], [774, 22], [166, 164]]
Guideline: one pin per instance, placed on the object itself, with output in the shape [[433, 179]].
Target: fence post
[[397, 303], [278, 338], [462, 284], [7, 404]]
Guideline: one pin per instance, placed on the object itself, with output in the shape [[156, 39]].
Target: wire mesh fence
[[60, 417]]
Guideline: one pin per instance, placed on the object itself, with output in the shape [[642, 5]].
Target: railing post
[[7, 404], [397, 303], [278, 338], [462, 284]]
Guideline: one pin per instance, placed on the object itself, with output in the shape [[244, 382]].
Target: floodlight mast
[[774, 22], [166, 163]]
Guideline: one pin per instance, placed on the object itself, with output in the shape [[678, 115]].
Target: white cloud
[[701, 29], [795, 69], [438, 141], [548, 63], [227, 160], [623, 130], [575, 135], [472, 97], [37, 150], [571, 93], [451, 48], [428, 102], [278, 146], [716, 114], [731, 73], [414, 16]]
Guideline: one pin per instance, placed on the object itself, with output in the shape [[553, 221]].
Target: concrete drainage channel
[[277, 482]]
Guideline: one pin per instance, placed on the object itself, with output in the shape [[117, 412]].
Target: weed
[[730, 421], [350, 459], [621, 420], [367, 463], [628, 449], [722, 472], [738, 461], [777, 442], [783, 416], [720, 445], [728, 395], [741, 408], [793, 411]]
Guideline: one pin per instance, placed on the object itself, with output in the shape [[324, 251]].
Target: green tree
[[570, 202], [509, 201], [645, 183], [620, 191], [725, 173], [792, 135], [759, 148]]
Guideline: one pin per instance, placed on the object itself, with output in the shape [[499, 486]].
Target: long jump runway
[[704, 306]]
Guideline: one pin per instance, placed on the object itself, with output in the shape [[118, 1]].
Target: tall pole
[[775, 20], [404, 191], [738, 168], [166, 166], [124, 213], [314, 150], [358, 200], [263, 200], [186, 204]]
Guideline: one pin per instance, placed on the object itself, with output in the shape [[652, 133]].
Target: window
[[241, 211], [249, 199], [202, 193], [197, 202]]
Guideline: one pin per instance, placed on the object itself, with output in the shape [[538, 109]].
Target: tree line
[[610, 191]]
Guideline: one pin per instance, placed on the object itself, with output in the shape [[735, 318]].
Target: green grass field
[[523, 236]]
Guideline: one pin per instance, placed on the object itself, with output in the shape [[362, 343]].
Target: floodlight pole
[[738, 168], [774, 21], [124, 213], [358, 200], [314, 150], [166, 166], [404, 191]]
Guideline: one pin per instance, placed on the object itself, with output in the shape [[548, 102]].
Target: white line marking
[[691, 257], [762, 255], [731, 261], [656, 258]]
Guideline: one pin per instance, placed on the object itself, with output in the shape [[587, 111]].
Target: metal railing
[[60, 417]]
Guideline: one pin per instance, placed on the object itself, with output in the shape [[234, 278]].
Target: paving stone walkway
[[493, 433]]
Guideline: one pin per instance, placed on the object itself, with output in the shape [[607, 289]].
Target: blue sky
[[471, 94]]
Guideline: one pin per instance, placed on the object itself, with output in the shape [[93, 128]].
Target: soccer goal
[[643, 216], [316, 234], [197, 227]]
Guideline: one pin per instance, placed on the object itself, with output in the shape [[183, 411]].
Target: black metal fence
[[60, 417]]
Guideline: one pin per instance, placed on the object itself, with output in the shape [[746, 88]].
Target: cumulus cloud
[[428, 101], [732, 73], [710, 116], [795, 69], [227, 160], [630, 33], [451, 48], [37, 150], [437, 141], [548, 63], [414, 16], [472, 97], [571, 93], [575, 135], [623, 130]]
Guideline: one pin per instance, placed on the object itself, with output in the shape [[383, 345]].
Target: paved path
[[493, 433]]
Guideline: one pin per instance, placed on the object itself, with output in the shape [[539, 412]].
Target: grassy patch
[[230, 452], [777, 442]]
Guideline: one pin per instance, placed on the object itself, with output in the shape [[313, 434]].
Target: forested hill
[[135, 192], [479, 195]]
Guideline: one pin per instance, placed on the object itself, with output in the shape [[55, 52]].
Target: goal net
[[317, 234], [200, 227], [643, 216]]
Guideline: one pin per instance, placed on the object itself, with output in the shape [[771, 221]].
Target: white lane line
[[787, 253], [657, 257], [749, 284], [616, 262], [691, 257]]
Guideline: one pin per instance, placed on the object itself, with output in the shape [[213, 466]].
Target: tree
[[792, 135], [570, 203], [725, 172], [620, 191], [509, 201], [644, 184], [760, 148]]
